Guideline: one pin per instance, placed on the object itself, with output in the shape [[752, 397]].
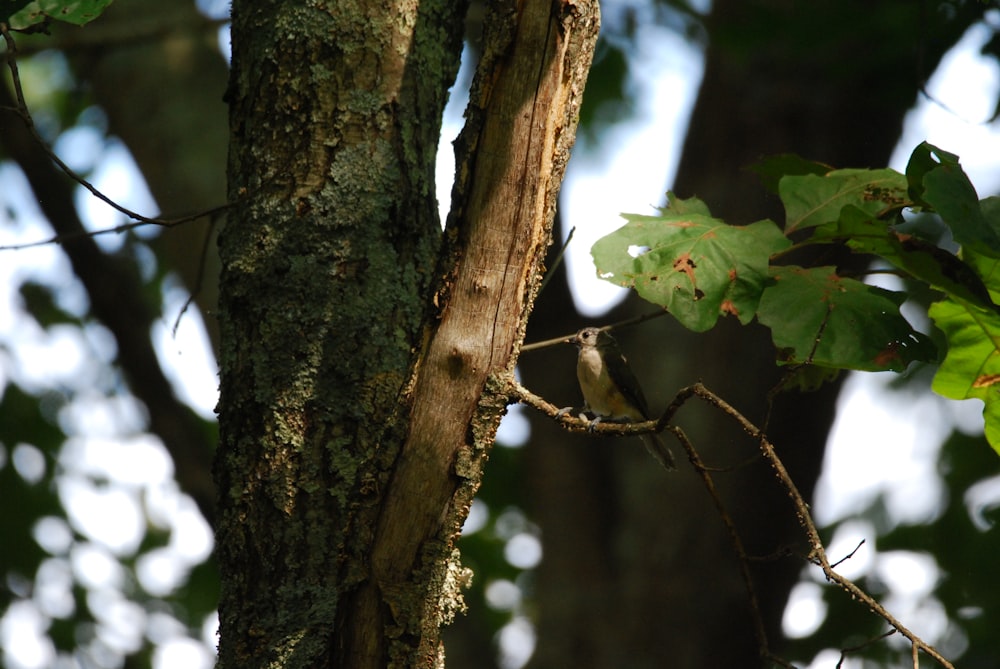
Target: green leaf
[[695, 266], [10, 7], [684, 207], [987, 268], [24, 423], [77, 12], [924, 159], [771, 169], [921, 259], [824, 319], [941, 270], [971, 368], [812, 200], [936, 181]]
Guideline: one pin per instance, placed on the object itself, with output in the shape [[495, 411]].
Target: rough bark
[[356, 408], [327, 258]]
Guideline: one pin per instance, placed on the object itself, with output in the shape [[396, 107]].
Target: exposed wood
[[513, 154]]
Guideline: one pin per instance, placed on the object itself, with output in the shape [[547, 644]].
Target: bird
[[610, 389]]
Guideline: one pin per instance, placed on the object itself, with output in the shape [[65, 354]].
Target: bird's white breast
[[599, 390]]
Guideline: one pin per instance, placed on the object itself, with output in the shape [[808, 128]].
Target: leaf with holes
[[919, 258], [824, 319], [695, 266], [77, 12], [811, 200], [937, 181]]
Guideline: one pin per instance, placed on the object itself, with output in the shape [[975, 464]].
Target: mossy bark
[[358, 344], [327, 257]]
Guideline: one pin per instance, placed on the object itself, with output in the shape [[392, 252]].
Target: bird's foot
[[580, 413], [594, 423]]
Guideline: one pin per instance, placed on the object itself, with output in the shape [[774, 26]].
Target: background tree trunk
[[637, 570], [164, 71], [155, 70]]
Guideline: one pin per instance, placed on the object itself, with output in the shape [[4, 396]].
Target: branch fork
[[817, 553]]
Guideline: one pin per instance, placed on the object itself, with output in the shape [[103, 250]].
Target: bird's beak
[[571, 340]]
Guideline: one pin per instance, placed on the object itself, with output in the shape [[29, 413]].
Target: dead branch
[[817, 554]]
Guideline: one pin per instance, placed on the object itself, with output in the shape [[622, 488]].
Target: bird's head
[[593, 337]]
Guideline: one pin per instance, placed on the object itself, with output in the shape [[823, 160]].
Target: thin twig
[[734, 537], [135, 31], [22, 111], [817, 554], [849, 555], [211, 214], [573, 423], [558, 260], [844, 652], [949, 110], [792, 371], [635, 320], [534, 346], [200, 277]]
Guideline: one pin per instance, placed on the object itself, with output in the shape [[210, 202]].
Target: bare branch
[[849, 555], [117, 300], [551, 272], [199, 278], [817, 554], [517, 392], [21, 110], [212, 214], [103, 34], [534, 346], [734, 538], [844, 652]]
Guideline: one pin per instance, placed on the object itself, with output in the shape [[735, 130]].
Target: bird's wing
[[625, 380]]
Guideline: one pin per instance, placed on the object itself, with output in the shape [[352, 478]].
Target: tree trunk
[[357, 349]]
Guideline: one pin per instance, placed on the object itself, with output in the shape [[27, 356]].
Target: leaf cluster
[[32, 15], [700, 268]]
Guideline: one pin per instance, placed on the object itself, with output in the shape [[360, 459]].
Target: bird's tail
[[659, 450]]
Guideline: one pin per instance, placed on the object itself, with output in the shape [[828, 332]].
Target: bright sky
[[631, 175]]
